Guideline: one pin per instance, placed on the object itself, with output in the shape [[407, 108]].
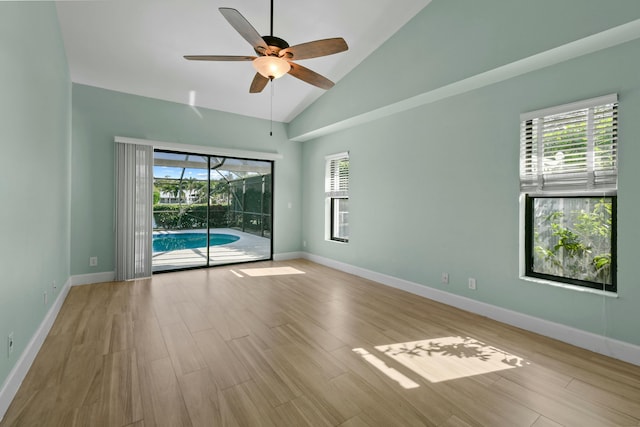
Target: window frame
[[336, 188], [529, 243], [334, 225], [537, 181]]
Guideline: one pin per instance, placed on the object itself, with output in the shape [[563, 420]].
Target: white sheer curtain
[[134, 210]]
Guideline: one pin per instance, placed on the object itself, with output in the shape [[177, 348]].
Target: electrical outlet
[[93, 261], [10, 344], [445, 278], [472, 283]]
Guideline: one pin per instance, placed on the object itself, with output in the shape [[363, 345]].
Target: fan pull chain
[[271, 117]]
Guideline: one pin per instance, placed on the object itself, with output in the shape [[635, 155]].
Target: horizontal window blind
[[570, 149], [337, 176]]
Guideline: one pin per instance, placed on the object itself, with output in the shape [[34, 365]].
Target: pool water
[[177, 241]]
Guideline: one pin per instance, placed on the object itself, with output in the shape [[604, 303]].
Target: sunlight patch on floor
[[448, 358], [271, 271], [398, 377]]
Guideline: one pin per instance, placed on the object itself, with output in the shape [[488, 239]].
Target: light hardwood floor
[[257, 345]]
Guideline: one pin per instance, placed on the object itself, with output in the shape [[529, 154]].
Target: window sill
[[337, 241], [570, 287]]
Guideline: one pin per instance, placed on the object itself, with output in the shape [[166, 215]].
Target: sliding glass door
[[210, 210]]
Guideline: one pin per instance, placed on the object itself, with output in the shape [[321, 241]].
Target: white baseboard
[[287, 256], [18, 373], [88, 279], [597, 343]]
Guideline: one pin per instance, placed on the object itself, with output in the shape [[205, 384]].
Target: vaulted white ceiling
[[137, 47]]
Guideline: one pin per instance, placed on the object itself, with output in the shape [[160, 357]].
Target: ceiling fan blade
[[258, 83], [218, 58], [314, 49], [311, 77], [245, 29]]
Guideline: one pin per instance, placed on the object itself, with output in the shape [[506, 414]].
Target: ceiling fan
[[274, 55]]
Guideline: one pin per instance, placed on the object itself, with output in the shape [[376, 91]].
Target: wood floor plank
[[118, 298], [585, 365], [297, 368], [141, 304], [600, 396], [121, 332], [222, 347], [82, 376], [162, 399], [68, 317], [193, 317], [31, 409], [225, 367], [475, 401], [564, 407], [148, 340], [226, 320], [545, 422], [48, 368], [366, 398], [166, 311], [184, 353], [355, 422], [312, 412], [94, 326], [270, 315], [119, 400], [454, 421], [276, 387], [261, 333], [311, 333], [426, 399], [289, 414], [201, 398], [245, 408]]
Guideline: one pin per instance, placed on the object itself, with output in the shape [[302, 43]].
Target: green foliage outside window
[[187, 217], [573, 238]]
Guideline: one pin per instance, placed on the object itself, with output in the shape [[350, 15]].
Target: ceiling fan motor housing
[[276, 44]]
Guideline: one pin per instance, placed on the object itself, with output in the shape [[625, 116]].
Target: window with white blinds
[[570, 147], [337, 175], [337, 195]]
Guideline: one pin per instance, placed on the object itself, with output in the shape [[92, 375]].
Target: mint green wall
[[452, 40], [99, 115], [435, 188], [35, 136]]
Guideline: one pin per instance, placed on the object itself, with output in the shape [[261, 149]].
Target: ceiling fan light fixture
[[271, 67]]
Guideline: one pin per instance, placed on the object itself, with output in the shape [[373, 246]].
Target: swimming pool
[[177, 241]]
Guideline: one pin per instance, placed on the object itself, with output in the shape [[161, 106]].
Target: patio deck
[[248, 248]]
